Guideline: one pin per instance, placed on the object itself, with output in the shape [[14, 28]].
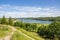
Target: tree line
[[8, 21], [46, 18]]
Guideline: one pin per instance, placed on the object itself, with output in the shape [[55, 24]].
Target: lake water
[[34, 21]]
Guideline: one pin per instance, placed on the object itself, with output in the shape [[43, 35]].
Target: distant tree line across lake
[[51, 31], [46, 18]]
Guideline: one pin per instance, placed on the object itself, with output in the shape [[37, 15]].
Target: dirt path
[[8, 37], [13, 30], [22, 33]]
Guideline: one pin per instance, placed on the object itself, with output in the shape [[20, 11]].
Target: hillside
[[11, 33]]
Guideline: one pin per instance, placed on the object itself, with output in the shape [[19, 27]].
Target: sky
[[29, 8]]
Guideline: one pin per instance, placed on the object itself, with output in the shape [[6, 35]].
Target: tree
[[10, 21], [33, 27], [55, 29], [27, 26], [17, 24], [42, 30], [3, 20], [50, 32]]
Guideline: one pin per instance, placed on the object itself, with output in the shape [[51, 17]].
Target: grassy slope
[[31, 34], [4, 30], [18, 36]]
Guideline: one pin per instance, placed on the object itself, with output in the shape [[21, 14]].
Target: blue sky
[[29, 8]]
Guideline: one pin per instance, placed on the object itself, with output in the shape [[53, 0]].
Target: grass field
[[31, 34], [18, 36]]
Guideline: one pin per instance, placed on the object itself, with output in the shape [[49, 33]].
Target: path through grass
[[18, 36]]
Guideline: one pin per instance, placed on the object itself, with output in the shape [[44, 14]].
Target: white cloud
[[24, 11]]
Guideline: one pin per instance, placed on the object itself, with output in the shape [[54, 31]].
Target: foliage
[[31, 27], [3, 20], [19, 24], [50, 32], [55, 28], [10, 21], [26, 26]]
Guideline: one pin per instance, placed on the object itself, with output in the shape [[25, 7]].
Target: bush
[[17, 24]]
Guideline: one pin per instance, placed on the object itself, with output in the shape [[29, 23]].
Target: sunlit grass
[[18, 36], [4, 30], [31, 34]]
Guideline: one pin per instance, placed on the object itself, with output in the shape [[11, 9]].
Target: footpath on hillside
[[8, 37]]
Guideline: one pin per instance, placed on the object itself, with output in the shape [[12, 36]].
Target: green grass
[[2, 34], [18, 36], [31, 34], [4, 30]]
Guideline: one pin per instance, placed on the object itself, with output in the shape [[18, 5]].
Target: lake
[[34, 21]]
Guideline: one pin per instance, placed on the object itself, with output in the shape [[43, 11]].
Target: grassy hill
[[4, 30]]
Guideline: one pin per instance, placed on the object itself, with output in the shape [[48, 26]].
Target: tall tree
[[3, 20], [10, 21]]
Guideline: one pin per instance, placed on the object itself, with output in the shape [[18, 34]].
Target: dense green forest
[[52, 31]]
